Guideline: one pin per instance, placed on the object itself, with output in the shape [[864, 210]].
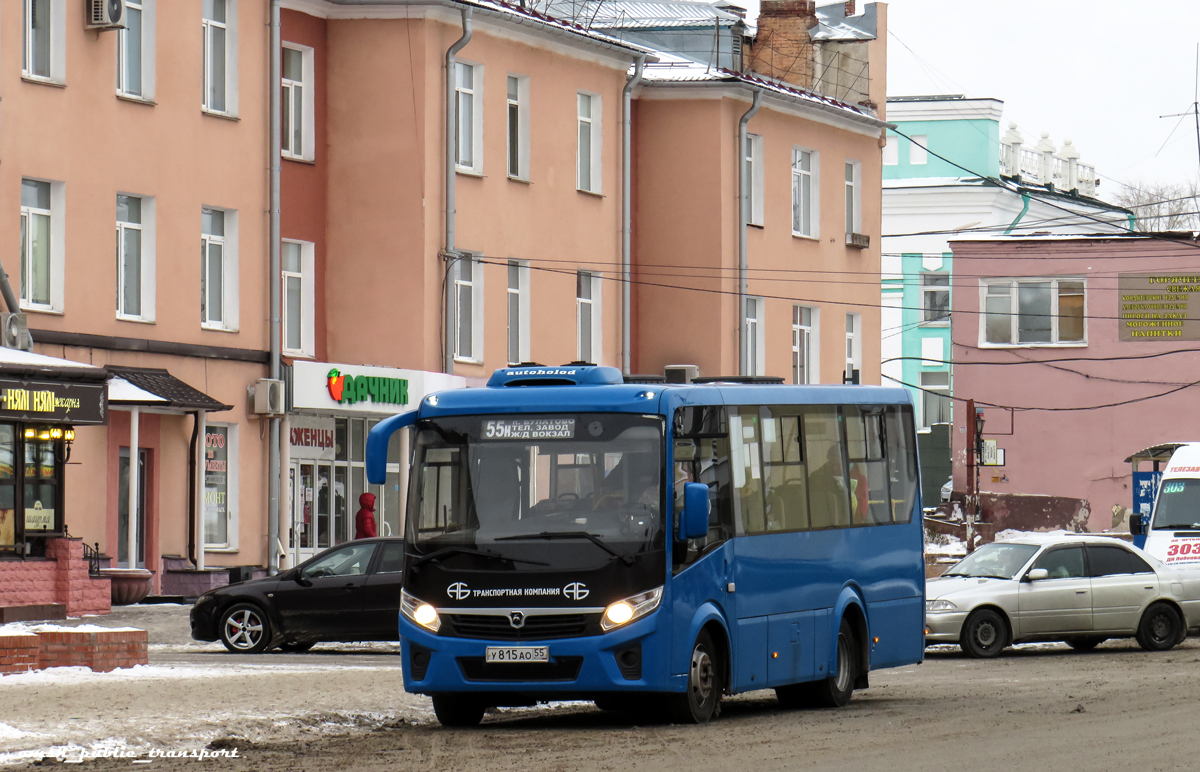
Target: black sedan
[[348, 593]]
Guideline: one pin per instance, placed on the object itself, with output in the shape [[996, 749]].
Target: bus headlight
[[420, 612], [631, 608], [940, 605]]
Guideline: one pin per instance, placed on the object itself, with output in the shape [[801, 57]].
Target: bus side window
[[828, 491], [868, 468], [745, 439], [784, 473], [702, 457], [902, 461]]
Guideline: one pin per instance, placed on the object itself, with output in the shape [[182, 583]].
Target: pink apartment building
[[392, 116], [1069, 324]]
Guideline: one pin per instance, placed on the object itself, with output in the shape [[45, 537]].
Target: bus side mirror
[[1135, 524], [694, 522]]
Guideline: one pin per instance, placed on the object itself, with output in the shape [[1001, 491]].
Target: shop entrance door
[[318, 507], [123, 510]]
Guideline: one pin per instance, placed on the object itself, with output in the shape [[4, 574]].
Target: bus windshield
[[523, 492], [1178, 505]]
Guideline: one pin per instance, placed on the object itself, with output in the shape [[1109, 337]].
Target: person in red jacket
[[364, 521]]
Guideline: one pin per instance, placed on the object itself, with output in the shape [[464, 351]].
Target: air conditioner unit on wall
[[268, 397], [105, 14], [14, 332], [858, 240]]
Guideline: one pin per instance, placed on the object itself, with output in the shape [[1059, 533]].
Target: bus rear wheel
[[456, 710], [836, 690], [705, 685]]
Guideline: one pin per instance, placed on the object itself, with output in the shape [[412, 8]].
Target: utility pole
[[972, 497]]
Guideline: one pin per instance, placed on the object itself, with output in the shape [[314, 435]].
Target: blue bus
[[570, 536]]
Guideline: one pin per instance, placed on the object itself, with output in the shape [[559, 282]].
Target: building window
[[218, 269], [135, 50], [299, 121], [804, 186], [917, 153], [1023, 312], [935, 399], [468, 310], [589, 150], [755, 337], [853, 198], [589, 342], [853, 345], [468, 117], [135, 257], [518, 127], [803, 360], [891, 151], [37, 39], [220, 486], [299, 304], [754, 177], [220, 56], [518, 312], [935, 297], [35, 244]]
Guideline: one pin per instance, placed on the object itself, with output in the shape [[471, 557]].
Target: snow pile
[[950, 546], [22, 628]]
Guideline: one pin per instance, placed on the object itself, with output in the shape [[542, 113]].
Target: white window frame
[[57, 41], [147, 283], [918, 154], [927, 387], [308, 302], [853, 197], [521, 291], [595, 306], [307, 114], [595, 120], [854, 339], [814, 191], [756, 337], [926, 290], [891, 150], [754, 174], [229, 272], [521, 106], [230, 26], [146, 72], [475, 285], [475, 95], [57, 256], [231, 490], [1014, 311], [810, 334]]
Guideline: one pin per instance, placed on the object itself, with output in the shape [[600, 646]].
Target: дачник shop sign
[[1156, 306]]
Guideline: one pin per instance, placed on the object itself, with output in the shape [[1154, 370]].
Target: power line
[[1045, 409]]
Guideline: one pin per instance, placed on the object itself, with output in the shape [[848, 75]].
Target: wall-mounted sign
[[993, 454], [1155, 306], [347, 389], [312, 437], [53, 402]]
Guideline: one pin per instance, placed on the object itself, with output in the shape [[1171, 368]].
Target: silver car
[[1079, 589]]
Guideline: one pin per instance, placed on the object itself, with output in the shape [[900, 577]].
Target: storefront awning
[[156, 388], [15, 363], [1156, 452]]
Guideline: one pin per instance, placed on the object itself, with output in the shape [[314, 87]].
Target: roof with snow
[[834, 25], [642, 14]]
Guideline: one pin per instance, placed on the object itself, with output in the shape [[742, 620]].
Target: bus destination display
[[529, 429]]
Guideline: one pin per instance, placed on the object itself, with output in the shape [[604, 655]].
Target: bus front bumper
[[632, 658]]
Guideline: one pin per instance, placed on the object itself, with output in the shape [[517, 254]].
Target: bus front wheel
[[705, 685], [454, 710]]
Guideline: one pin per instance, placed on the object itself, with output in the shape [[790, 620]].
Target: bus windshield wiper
[[593, 538], [437, 554]]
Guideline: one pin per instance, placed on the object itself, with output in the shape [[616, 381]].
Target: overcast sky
[[1099, 72]]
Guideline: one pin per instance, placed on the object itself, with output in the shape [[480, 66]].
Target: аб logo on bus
[[576, 591], [458, 591]]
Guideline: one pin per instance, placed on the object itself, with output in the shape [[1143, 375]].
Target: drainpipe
[[193, 478], [743, 221], [626, 259], [449, 254], [1024, 210], [275, 279]]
